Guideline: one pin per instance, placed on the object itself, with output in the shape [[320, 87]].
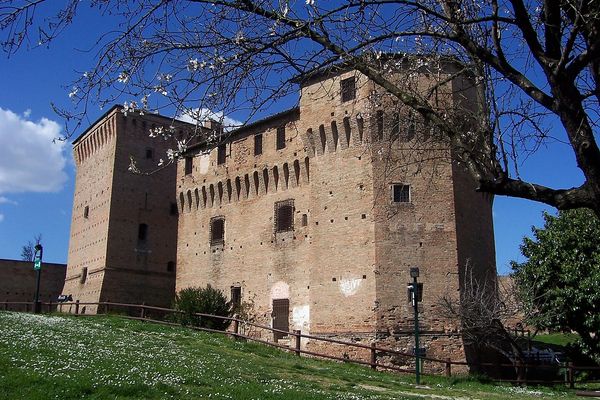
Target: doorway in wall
[[281, 313]]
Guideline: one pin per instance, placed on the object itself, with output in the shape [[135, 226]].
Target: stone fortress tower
[[124, 225], [314, 215]]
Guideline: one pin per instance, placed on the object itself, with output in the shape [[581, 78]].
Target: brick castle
[[314, 215]]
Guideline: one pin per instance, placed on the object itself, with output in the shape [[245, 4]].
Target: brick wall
[[345, 264], [345, 272], [18, 279], [108, 261]]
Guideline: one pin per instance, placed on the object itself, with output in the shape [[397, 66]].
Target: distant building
[[18, 279], [315, 215]]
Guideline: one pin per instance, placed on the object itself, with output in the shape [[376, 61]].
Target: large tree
[[558, 284], [537, 62]]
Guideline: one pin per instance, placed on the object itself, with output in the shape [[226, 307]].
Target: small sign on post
[[37, 266]]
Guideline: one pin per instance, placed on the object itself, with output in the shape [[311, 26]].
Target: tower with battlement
[[124, 225], [310, 218]]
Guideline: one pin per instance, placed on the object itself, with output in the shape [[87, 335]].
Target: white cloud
[[1, 217], [199, 115], [6, 200], [29, 161]]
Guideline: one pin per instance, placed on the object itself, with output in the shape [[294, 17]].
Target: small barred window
[[258, 142], [348, 89], [281, 137], [217, 231], [284, 215], [400, 193]]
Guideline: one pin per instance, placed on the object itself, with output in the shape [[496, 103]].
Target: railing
[[144, 313]]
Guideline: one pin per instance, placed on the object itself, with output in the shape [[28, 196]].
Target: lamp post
[[416, 295], [37, 265]]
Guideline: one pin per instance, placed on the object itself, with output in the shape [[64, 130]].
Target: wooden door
[[281, 313]]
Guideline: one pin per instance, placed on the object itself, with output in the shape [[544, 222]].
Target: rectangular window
[[86, 212], [281, 138], [189, 163], [400, 193], [236, 296], [348, 89], [142, 232], [258, 144], [217, 231], [171, 266], [221, 154], [284, 215]]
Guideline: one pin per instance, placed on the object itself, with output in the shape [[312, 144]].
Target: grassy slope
[[44, 357], [556, 339]]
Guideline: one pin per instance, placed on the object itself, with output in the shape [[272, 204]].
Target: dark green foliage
[[206, 300], [560, 282]]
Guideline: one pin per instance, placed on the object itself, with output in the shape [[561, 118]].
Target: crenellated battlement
[[259, 182], [314, 215]]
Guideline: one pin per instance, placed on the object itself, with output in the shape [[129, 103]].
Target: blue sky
[[37, 176]]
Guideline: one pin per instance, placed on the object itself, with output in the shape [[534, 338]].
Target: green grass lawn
[[60, 357], [556, 339]]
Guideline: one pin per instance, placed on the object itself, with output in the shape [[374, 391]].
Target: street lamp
[[37, 266], [416, 296]]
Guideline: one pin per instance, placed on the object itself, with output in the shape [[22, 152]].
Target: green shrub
[[206, 300]]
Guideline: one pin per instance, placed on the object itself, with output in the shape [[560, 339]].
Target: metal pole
[[417, 349], [37, 307]]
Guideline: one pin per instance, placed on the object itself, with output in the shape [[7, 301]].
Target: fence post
[[143, 311], [373, 356], [50, 307], [520, 372], [571, 375], [297, 333], [77, 307], [107, 306], [236, 327], [448, 368]]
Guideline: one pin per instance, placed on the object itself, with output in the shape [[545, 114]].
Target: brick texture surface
[[18, 279], [344, 267]]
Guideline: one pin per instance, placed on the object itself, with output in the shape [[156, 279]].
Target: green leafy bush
[[206, 300], [558, 283]]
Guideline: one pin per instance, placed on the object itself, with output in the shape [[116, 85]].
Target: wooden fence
[[144, 312]]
